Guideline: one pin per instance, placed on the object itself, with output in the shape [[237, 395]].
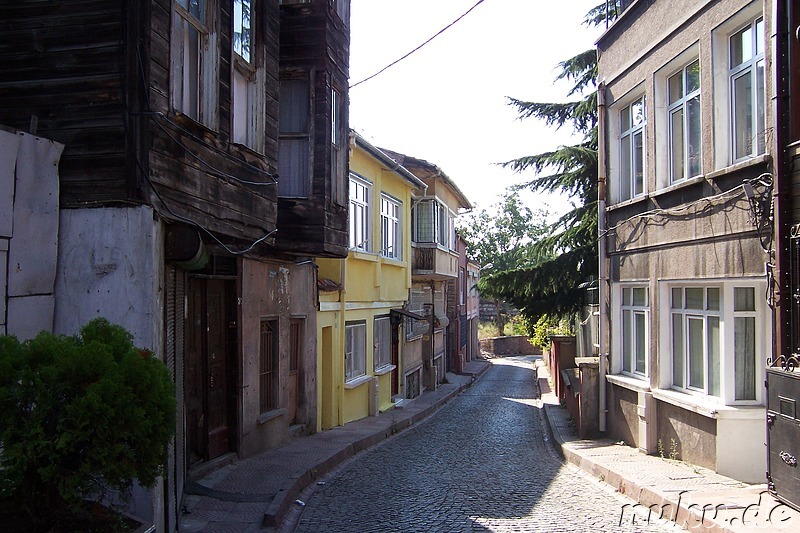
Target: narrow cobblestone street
[[482, 463]]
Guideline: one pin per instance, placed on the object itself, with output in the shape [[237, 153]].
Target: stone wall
[[509, 345]]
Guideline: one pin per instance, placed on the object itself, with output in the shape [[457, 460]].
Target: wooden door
[[210, 349]]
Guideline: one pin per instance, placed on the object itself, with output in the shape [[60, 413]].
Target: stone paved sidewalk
[[705, 500], [257, 493]]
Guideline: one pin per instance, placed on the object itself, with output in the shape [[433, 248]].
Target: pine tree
[[556, 285]]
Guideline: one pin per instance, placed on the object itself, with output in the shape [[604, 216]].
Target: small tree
[[79, 416], [500, 238]]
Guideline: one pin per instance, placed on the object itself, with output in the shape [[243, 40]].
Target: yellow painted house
[[361, 298]]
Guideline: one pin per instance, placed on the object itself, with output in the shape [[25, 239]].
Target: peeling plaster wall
[[28, 232], [277, 291], [110, 265]]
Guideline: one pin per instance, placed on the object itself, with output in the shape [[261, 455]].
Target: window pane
[[675, 87], [713, 356], [695, 347], [627, 333], [677, 351], [625, 168], [694, 136], [638, 163], [760, 36], [741, 47], [293, 167], [744, 367], [626, 296], [744, 299], [241, 28], [639, 330], [640, 296], [637, 112], [677, 298], [424, 221], [294, 106], [676, 144], [625, 119], [712, 295], [742, 100], [693, 77], [191, 72], [694, 298]]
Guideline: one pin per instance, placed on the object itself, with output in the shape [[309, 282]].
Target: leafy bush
[[549, 325], [79, 416]]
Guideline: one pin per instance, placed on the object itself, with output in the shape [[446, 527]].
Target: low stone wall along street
[[509, 345]]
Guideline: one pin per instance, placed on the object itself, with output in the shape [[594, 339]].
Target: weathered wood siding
[[96, 74], [315, 39], [199, 175], [64, 63]]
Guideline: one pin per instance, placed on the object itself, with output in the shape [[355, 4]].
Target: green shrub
[[549, 325], [79, 416]]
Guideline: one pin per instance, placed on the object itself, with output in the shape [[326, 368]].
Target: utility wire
[[393, 63]]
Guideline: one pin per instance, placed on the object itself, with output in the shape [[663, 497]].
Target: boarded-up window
[[294, 153]]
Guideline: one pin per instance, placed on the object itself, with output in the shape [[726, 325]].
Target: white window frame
[[723, 112], [630, 126], [391, 227], [194, 63], [360, 214], [381, 342], [247, 79], [727, 324], [683, 105], [355, 350], [749, 68], [627, 346]]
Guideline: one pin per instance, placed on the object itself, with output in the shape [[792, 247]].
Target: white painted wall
[[110, 264], [741, 444], [28, 232]]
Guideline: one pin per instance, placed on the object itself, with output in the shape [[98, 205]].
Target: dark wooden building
[[783, 375], [205, 160]]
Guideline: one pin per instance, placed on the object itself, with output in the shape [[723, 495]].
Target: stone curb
[[281, 502], [645, 496]]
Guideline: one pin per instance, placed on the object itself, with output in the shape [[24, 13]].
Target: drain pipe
[[602, 282]]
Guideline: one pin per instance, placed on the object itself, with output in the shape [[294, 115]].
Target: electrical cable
[[202, 161], [393, 63], [197, 224]]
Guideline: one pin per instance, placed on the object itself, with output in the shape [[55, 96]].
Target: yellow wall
[[373, 285]]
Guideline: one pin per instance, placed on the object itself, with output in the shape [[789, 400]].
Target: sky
[[446, 103]]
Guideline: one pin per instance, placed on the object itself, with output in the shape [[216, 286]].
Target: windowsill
[[270, 415], [393, 262], [626, 203], [678, 186], [364, 256], [755, 161], [629, 382], [250, 149], [707, 407], [414, 337], [385, 369], [356, 382]]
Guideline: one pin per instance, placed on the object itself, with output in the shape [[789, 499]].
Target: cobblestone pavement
[[482, 463]]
